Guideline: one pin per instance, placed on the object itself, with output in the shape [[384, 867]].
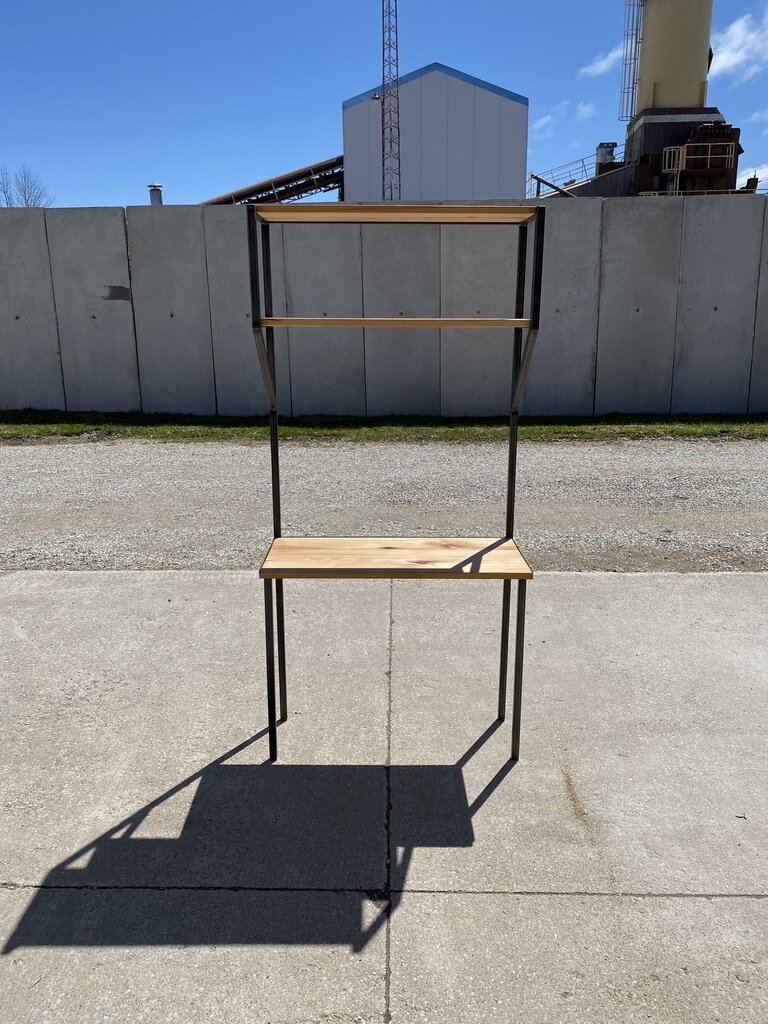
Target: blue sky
[[100, 98]]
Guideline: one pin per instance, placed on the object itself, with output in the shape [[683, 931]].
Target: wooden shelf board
[[391, 321], [401, 558], [389, 213]]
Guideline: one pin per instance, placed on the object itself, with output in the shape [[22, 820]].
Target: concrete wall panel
[[239, 387], [401, 276], [170, 293], [562, 377], [758, 392], [638, 304], [478, 269], [323, 276], [30, 367], [94, 308], [720, 264]]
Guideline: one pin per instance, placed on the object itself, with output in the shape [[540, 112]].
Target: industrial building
[[675, 144], [460, 138], [440, 134]]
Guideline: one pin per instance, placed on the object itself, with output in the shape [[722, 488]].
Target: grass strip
[[36, 427]]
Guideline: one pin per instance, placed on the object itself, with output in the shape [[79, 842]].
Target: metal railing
[[709, 192], [699, 156], [566, 175]]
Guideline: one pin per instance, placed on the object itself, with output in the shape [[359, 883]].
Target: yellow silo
[[674, 53]]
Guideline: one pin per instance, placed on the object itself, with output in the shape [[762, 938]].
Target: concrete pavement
[[392, 865]]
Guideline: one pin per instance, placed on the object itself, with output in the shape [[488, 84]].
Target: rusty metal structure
[[675, 143], [327, 176]]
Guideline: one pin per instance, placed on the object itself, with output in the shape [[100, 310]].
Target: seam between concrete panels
[[388, 820], [762, 272], [133, 309], [362, 313], [599, 303], [677, 304], [55, 309], [210, 314], [440, 228]]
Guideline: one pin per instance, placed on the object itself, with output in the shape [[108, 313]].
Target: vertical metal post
[[538, 267], [517, 699], [522, 254], [522, 257], [266, 255], [505, 612], [269, 630]]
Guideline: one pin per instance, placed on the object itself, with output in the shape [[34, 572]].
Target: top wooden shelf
[[389, 213]]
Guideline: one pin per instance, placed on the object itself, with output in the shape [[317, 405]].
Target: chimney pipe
[[155, 194]]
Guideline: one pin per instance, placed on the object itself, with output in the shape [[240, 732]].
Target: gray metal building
[[460, 138]]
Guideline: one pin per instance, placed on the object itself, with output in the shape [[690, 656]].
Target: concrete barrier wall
[[94, 310], [648, 305], [30, 363]]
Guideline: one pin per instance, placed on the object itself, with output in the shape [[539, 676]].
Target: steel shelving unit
[[466, 558]]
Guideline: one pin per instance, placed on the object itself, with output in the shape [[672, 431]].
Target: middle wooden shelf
[[490, 558]]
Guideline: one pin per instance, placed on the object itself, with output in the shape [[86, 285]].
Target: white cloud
[[754, 172], [741, 49], [585, 110], [604, 62], [542, 129], [759, 117]]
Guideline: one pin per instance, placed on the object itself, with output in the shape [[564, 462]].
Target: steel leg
[[269, 629], [506, 602], [517, 701], [281, 652]]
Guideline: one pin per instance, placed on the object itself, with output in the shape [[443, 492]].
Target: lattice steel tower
[[390, 104]]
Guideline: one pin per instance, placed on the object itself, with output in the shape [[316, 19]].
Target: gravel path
[[626, 505]]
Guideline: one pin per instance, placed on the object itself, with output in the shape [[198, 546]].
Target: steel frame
[[274, 606]]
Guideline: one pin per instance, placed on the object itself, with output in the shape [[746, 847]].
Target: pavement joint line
[[388, 775], [374, 894]]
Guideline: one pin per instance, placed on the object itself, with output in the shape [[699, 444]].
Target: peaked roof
[[452, 73]]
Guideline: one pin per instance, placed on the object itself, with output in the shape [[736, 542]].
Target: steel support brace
[[522, 256], [270, 378]]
